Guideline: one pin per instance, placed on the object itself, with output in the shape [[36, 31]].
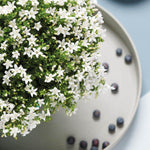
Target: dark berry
[[95, 143], [119, 51], [96, 114], [83, 144], [106, 67], [111, 128], [128, 59], [105, 144], [70, 140], [114, 87], [94, 148], [120, 122]]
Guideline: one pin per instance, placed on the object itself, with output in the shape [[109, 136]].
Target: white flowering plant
[[49, 57]]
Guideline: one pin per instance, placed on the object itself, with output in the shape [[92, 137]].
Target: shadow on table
[[129, 1]]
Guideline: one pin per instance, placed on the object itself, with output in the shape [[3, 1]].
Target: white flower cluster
[[7, 9], [50, 56]]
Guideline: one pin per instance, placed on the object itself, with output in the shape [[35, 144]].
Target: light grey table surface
[[134, 15]]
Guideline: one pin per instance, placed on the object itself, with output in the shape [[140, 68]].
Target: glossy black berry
[[114, 88], [95, 143], [94, 148], [96, 114], [70, 140], [119, 51], [106, 67], [105, 144], [120, 122], [111, 128], [83, 144], [128, 59]]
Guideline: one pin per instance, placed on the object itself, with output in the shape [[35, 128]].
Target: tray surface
[[53, 135]]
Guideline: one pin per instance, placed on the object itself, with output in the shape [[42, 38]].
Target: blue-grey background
[[134, 15]]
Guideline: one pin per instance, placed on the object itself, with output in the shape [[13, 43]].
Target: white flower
[[15, 70], [5, 117], [10, 107], [28, 51], [72, 47], [32, 124], [6, 80], [35, 2], [8, 63], [23, 13], [62, 43], [60, 71], [14, 115], [27, 79], [32, 40], [44, 48], [63, 13], [55, 91], [5, 131], [62, 98], [62, 30], [53, 104], [48, 113], [42, 116], [7, 9], [15, 33], [12, 24], [28, 87], [1, 32], [2, 104], [32, 13], [22, 71], [47, 1], [37, 26], [31, 115], [40, 102], [79, 76], [33, 91], [85, 43], [4, 45], [11, 6], [37, 52], [15, 54], [14, 131], [27, 31], [2, 56], [61, 3], [51, 11], [50, 78], [25, 132], [8, 74], [22, 2], [75, 111], [33, 109]]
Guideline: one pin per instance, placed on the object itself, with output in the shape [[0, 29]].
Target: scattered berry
[[128, 59], [111, 128], [95, 143], [114, 88], [105, 144], [83, 144], [106, 67], [120, 122], [119, 51], [96, 114], [70, 140]]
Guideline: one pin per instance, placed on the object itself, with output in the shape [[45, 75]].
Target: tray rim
[[107, 13]]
